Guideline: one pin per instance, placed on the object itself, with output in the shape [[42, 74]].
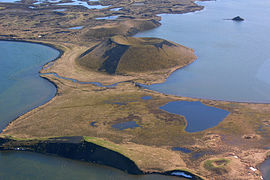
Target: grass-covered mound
[[122, 55]]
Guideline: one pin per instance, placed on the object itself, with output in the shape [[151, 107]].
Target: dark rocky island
[[237, 18]]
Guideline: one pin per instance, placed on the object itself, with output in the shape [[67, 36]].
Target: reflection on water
[[230, 54], [32, 166]]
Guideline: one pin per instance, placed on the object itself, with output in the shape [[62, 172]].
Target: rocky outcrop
[[237, 18], [75, 148]]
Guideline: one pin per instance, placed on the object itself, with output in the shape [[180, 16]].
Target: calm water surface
[[33, 166], [198, 116], [21, 86], [233, 57]]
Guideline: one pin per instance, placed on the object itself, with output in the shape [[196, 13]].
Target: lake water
[[33, 166], [233, 57], [232, 65], [107, 18], [198, 116], [265, 169], [23, 89], [9, 1]]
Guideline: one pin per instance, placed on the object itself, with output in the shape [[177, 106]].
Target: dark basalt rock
[[237, 18], [74, 148]]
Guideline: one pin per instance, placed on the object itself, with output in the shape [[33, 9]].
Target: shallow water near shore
[[232, 56]]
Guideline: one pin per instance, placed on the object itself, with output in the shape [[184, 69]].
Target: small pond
[[146, 97], [126, 125], [108, 18], [77, 27], [115, 9], [45, 1], [198, 116], [60, 10], [184, 150]]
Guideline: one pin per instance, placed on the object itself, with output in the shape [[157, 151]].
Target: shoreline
[[61, 52], [64, 147], [46, 103]]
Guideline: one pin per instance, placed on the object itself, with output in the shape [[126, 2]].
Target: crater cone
[[124, 55]]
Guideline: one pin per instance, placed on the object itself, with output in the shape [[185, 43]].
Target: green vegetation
[[103, 143], [218, 166]]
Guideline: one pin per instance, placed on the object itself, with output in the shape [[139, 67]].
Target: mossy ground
[[76, 106], [218, 166]]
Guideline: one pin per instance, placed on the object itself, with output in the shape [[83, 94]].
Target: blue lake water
[[184, 150], [82, 3], [265, 169], [21, 86], [32, 166], [9, 1], [233, 57], [108, 18], [198, 116], [233, 61], [147, 97]]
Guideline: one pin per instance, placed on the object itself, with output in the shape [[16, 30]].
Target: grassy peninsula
[[103, 51]]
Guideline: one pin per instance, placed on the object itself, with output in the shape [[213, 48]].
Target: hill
[[124, 55]]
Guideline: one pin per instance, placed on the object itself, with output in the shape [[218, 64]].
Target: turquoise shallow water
[[233, 57]]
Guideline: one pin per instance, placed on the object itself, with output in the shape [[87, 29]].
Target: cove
[[232, 56], [22, 89], [198, 116]]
